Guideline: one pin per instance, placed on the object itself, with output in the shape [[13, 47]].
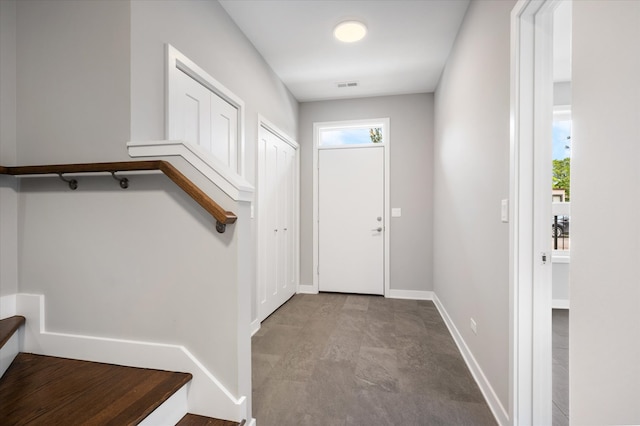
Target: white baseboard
[[560, 303], [410, 294], [255, 326], [206, 396], [307, 289], [498, 410]]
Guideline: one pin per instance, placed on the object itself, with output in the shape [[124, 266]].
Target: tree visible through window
[[376, 135]]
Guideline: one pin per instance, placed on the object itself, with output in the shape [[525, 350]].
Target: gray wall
[[8, 185], [73, 81], [145, 263], [411, 162], [204, 32], [605, 290], [471, 177]]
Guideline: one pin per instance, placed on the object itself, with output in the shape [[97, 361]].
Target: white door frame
[[530, 206], [386, 144]]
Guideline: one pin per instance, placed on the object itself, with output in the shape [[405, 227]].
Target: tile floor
[[335, 359], [560, 354]]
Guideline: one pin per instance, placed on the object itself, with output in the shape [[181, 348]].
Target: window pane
[[350, 136], [562, 160], [561, 193]]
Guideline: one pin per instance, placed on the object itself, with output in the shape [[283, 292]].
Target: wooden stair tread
[[8, 326], [196, 420], [50, 390]]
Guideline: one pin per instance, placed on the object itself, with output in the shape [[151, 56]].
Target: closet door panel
[[277, 257]]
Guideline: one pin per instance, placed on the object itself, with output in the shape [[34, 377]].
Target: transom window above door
[[366, 133]]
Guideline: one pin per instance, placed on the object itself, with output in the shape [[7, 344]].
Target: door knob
[[377, 229]]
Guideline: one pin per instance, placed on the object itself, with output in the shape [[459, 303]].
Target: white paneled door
[[206, 119], [277, 192], [351, 220]]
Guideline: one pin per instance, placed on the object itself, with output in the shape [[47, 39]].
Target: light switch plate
[[396, 212], [504, 211]]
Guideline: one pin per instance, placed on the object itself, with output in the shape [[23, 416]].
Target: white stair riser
[[170, 412], [9, 351]]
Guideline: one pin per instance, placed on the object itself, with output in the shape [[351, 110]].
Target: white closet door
[[287, 212], [270, 210], [277, 186], [290, 233]]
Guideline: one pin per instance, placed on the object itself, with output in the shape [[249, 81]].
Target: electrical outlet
[[474, 326]]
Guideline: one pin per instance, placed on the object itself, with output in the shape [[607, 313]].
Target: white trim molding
[[234, 185], [255, 326], [530, 387], [409, 294], [498, 410], [207, 396], [307, 289]]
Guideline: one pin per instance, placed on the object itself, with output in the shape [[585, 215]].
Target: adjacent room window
[[560, 231]]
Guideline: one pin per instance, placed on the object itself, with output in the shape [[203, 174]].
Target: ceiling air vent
[[347, 84]]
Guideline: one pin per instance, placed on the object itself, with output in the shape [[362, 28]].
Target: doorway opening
[[531, 196], [561, 213]]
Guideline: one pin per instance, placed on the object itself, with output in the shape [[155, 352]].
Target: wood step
[[195, 420], [8, 326], [39, 389]]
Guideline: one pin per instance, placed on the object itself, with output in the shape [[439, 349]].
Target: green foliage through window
[[562, 176], [376, 135]]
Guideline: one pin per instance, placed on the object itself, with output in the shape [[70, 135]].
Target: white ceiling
[[405, 50]]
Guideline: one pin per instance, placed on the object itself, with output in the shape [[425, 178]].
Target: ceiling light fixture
[[350, 31]]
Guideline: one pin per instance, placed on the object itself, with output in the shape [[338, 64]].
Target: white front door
[[351, 220]]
